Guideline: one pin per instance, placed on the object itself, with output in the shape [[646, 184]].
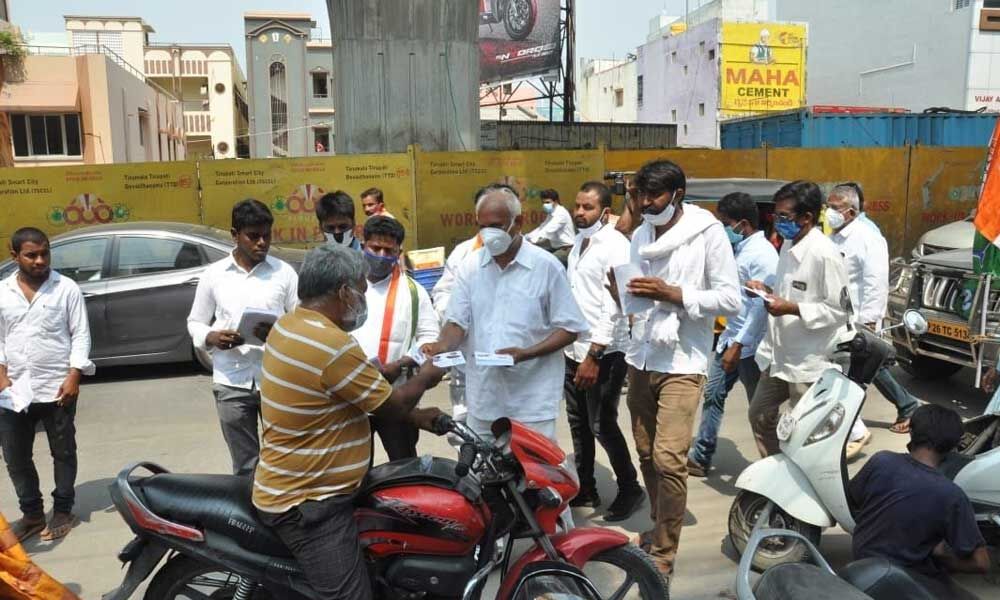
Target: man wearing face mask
[[401, 318], [866, 255], [756, 259], [512, 298], [691, 276], [556, 233], [335, 213], [595, 363], [318, 390], [806, 307], [247, 278]]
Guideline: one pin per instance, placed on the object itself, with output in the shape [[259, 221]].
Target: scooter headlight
[[828, 426]]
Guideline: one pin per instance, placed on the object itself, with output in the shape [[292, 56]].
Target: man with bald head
[[512, 298]]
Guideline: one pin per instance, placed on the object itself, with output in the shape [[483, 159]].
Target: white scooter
[[805, 486]]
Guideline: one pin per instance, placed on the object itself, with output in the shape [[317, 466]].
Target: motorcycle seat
[[883, 580], [217, 503], [795, 581]]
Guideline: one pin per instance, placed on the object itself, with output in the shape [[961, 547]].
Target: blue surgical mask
[[380, 267], [787, 228], [548, 207], [734, 237]]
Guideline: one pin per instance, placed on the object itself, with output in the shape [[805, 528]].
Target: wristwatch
[[596, 354]]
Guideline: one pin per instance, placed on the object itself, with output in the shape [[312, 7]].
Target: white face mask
[[588, 232], [834, 219], [356, 316], [346, 238], [496, 240], [663, 217]]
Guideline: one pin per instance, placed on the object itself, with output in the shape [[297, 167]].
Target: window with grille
[[320, 87], [638, 86], [279, 110], [46, 135], [962, 4]]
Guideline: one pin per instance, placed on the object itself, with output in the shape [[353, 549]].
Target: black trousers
[[323, 539], [399, 438], [593, 414], [17, 436]]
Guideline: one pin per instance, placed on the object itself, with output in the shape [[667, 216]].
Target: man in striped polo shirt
[[317, 391]]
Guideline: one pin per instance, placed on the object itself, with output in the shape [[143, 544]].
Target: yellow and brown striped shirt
[[316, 393]]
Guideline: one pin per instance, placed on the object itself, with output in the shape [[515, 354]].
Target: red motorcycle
[[429, 529], [518, 16]]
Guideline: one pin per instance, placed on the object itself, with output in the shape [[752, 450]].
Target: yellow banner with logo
[[60, 199], [763, 67], [291, 187], [447, 183]]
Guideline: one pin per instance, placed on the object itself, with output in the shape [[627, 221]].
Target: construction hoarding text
[[292, 187], [763, 67], [60, 199]]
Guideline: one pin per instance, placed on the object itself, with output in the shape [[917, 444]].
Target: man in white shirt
[[335, 213], [441, 294], [400, 319], [556, 233], [756, 259], [246, 279], [513, 298], [595, 363], [866, 255], [806, 305], [44, 351], [690, 274]]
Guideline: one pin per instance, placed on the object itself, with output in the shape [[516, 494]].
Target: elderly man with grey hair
[[511, 299], [317, 392], [866, 256]]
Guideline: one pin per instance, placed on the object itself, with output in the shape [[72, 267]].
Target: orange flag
[[21, 579], [988, 213]]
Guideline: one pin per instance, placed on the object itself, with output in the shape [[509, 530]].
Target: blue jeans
[[894, 392], [713, 405]]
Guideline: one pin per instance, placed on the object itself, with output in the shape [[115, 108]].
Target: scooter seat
[[217, 503], [795, 581]]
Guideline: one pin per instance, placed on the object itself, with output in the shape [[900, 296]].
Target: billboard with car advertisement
[[518, 38], [60, 199], [763, 67]]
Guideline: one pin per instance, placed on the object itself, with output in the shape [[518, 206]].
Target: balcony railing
[[197, 122], [83, 49]]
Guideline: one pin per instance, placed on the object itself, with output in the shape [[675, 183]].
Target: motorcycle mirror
[[915, 322]]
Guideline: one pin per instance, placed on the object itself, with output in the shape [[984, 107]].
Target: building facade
[[608, 91], [84, 107], [935, 53], [209, 82], [289, 86]]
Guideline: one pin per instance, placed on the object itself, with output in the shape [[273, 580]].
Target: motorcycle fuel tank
[[419, 519]]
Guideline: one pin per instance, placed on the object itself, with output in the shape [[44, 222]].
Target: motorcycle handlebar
[[442, 425], [466, 456]]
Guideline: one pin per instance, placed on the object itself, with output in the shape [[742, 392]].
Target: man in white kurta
[[400, 319]]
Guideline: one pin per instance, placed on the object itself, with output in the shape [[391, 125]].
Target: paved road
[[166, 415]]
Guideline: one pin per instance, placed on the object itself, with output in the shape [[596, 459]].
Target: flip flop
[[60, 525], [25, 528], [901, 425]]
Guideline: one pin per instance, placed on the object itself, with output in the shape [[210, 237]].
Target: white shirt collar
[[269, 262]]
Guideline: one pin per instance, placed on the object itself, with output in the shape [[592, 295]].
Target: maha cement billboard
[[763, 67], [518, 38]]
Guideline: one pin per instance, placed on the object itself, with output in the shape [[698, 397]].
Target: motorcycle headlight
[[828, 426]]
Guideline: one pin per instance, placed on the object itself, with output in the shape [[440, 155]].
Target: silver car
[[139, 281]]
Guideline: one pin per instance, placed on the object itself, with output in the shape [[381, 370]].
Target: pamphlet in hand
[[631, 305], [491, 359], [252, 317], [18, 396], [759, 293], [448, 359]]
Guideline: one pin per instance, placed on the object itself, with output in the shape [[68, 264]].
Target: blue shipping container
[[806, 129]]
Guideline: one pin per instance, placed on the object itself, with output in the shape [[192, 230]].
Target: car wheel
[[203, 358]]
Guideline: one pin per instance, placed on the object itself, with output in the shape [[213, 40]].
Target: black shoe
[[586, 499], [626, 503], [695, 469]]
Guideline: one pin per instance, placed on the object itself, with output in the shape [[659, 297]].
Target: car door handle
[[89, 294], [192, 282]]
